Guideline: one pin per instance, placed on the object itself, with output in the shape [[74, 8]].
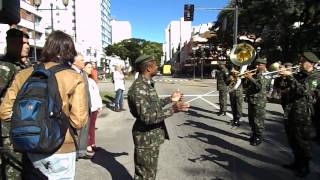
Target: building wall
[[92, 30], [106, 22], [177, 34], [120, 30]]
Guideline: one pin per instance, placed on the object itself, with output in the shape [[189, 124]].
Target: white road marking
[[216, 106]]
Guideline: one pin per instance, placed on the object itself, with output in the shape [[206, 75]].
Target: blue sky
[[149, 18]]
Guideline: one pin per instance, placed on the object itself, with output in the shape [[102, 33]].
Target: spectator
[[119, 87], [96, 106], [78, 66], [94, 73]]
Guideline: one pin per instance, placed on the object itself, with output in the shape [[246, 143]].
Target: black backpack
[[38, 124]]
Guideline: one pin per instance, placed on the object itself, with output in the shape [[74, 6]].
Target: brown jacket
[[73, 94]]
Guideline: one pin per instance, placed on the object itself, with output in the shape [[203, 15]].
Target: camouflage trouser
[[257, 113], [236, 101], [9, 158], [299, 127], [146, 161], [223, 100], [316, 119], [286, 109]]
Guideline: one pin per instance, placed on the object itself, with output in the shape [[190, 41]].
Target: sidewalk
[[113, 160]]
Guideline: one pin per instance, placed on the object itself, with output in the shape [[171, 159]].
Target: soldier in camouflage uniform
[[149, 130], [282, 84], [236, 100], [221, 75], [10, 64], [304, 91], [256, 94]]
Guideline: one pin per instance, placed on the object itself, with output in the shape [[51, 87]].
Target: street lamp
[[37, 3]]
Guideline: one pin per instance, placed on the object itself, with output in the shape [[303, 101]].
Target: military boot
[[303, 170], [292, 166], [236, 122], [256, 140], [222, 113]]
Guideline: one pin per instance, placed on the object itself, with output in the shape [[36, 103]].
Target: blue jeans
[[55, 166], [119, 99]]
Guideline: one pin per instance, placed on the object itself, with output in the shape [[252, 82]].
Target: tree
[[286, 27], [133, 48]]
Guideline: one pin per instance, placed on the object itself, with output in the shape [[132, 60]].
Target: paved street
[[203, 146]]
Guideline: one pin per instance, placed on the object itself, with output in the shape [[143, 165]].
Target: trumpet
[[294, 69], [237, 74]]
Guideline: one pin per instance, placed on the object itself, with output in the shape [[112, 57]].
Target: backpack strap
[[72, 130]]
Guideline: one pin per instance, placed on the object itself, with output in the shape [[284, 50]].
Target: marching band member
[[256, 94], [304, 91]]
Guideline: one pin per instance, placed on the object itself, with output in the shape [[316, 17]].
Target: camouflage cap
[[144, 59], [288, 64], [261, 60], [310, 56]]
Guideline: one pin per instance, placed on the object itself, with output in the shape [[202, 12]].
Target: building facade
[[177, 34], [120, 30]]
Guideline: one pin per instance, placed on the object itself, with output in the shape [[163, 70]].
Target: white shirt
[[118, 80], [96, 101]]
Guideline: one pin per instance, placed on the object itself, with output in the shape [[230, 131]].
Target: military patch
[[314, 83]]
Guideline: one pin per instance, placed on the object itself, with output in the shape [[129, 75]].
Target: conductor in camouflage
[[149, 130]]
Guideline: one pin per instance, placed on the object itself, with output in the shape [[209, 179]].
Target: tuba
[[241, 55]]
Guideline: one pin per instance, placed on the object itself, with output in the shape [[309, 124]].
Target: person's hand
[[180, 106], [176, 96], [285, 73], [247, 75]]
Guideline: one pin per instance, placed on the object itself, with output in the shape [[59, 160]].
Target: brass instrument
[[275, 70], [241, 55]]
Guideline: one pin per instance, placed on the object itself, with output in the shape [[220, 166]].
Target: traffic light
[[188, 12]]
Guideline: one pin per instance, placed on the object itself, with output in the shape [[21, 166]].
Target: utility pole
[[235, 33]]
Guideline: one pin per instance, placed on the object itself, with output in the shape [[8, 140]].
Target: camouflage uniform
[[282, 84], [256, 94], [304, 90], [10, 158], [221, 76], [316, 118], [149, 130], [236, 100]]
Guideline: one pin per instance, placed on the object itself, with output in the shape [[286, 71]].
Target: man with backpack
[[17, 49], [65, 108]]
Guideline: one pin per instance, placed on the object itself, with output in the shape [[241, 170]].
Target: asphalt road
[[202, 145]]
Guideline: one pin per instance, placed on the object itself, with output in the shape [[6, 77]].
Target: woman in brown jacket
[[58, 49]]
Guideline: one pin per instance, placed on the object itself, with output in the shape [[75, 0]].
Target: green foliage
[[275, 21], [133, 48]]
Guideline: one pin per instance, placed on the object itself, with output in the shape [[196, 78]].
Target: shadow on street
[[227, 161], [107, 160]]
